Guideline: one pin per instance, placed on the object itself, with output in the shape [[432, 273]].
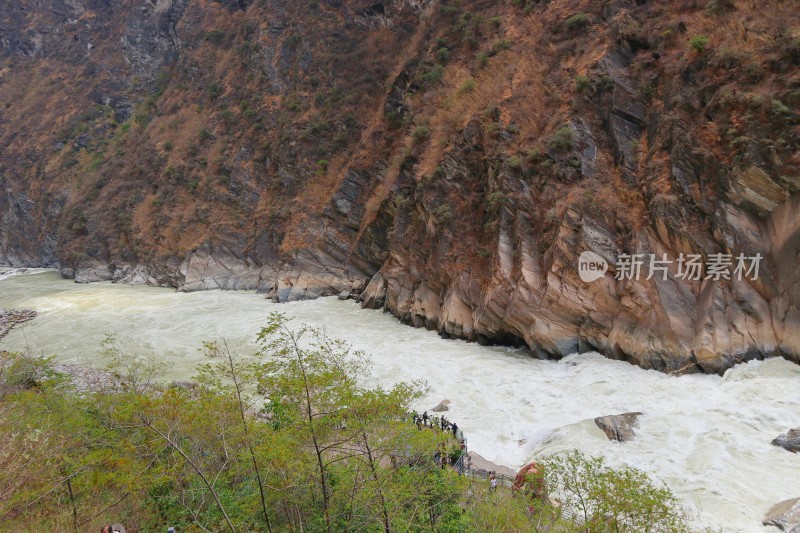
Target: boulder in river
[[483, 466], [789, 440], [443, 406], [11, 317], [618, 427], [785, 515]]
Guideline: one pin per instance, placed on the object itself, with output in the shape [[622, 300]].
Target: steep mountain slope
[[449, 160]]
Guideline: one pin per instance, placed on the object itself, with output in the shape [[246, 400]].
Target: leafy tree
[[367, 461], [602, 499]]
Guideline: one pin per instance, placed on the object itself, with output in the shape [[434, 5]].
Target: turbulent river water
[[707, 437]]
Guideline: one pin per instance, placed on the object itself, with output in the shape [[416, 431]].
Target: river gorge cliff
[[447, 161]]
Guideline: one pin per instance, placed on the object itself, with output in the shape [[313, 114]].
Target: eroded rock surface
[[11, 317], [785, 516], [789, 440], [620, 428]]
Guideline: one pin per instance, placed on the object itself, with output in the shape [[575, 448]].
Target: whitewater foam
[[707, 437]]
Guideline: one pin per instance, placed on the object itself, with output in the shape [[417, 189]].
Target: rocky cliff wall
[[446, 161]]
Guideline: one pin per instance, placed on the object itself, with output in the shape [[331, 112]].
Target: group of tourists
[[443, 459], [459, 461], [435, 421]]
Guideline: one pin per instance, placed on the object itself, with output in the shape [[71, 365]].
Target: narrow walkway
[[469, 464]]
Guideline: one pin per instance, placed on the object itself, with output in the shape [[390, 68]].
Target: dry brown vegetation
[[255, 126]]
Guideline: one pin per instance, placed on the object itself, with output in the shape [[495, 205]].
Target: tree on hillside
[[368, 461]]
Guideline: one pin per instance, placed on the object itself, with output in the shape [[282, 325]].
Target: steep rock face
[[447, 161]]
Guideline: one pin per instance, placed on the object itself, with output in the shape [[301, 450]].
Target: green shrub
[[227, 117], [214, 90], [421, 134], [719, 7], [495, 200], [562, 140], [534, 155], [779, 108], [577, 22], [443, 55], [394, 119], [292, 102], [647, 90], [468, 86], [435, 75], [21, 372], [582, 83], [730, 58], [443, 214], [698, 43], [502, 44]]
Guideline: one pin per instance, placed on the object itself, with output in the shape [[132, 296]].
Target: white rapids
[[707, 437]]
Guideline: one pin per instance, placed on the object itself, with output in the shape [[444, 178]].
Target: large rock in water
[[11, 317], [785, 515], [789, 440], [443, 406], [618, 427]]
